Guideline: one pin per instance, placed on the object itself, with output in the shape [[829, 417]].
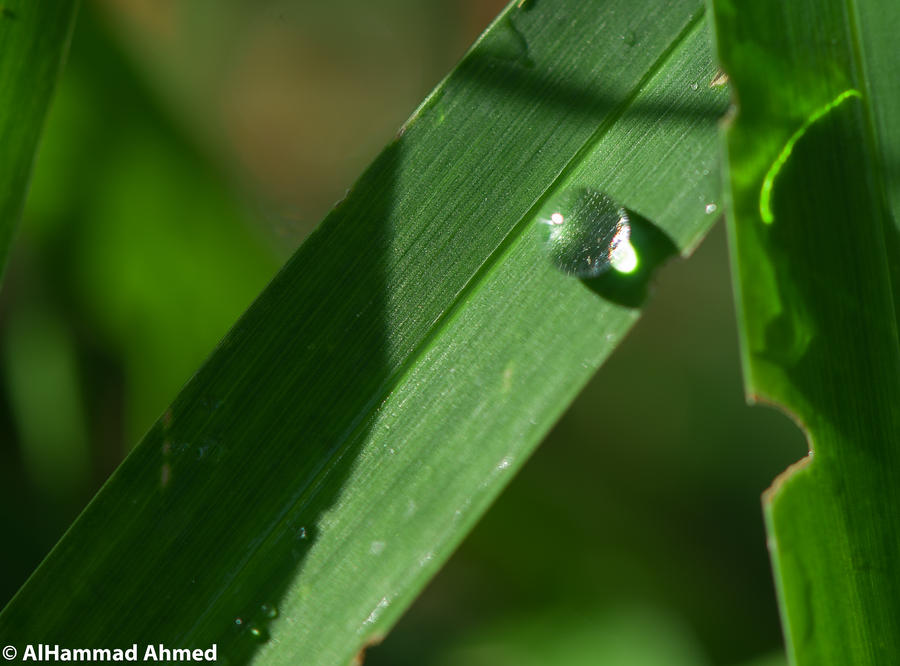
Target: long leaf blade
[[812, 244], [378, 395]]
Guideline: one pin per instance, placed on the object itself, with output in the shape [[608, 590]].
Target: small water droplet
[[711, 208], [504, 464], [630, 38], [695, 86], [377, 547], [258, 634], [239, 622], [587, 234], [301, 533], [377, 611], [269, 610]]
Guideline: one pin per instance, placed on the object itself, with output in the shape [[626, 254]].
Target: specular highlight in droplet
[[588, 234]]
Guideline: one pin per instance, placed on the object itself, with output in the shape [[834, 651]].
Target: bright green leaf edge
[[365, 411], [813, 238], [34, 40]]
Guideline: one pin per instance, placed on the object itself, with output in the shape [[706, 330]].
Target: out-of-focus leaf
[[34, 37], [147, 249], [41, 375], [624, 636]]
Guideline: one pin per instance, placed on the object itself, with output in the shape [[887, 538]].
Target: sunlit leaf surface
[[814, 239], [365, 411]]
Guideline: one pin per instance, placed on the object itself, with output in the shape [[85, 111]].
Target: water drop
[[695, 86], [239, 622], [587, 234], [258, 634], [614, 250], [630, 38], [270, 611], [377, 611], [301, 533], [711, 208], [376, 547]]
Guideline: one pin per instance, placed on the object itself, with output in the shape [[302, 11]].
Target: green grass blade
[[378, 395], [812, 244], [34, 38]]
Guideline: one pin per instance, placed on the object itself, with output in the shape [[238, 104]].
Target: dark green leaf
[[34, 38], [378, 395]]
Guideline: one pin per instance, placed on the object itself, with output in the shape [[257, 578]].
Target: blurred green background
[[191, 147]]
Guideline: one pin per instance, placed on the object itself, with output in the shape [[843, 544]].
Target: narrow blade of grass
[[34, 38], [364, 412], [813, 240]]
